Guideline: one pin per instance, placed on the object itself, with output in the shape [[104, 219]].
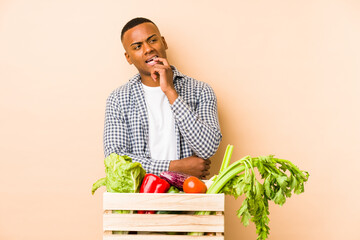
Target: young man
[[160, 118]]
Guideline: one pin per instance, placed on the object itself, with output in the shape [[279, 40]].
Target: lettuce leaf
[[122, 175]]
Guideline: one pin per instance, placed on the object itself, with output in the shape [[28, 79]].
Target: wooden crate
[[150, 226]]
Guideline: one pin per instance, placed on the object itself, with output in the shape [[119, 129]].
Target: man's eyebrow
[[146, 40]]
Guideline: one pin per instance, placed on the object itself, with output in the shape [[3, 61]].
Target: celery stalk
[[227, 157], [224, 164], [225, 176], [280, 178]]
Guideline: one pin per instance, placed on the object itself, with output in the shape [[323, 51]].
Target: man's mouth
[[152, 61]]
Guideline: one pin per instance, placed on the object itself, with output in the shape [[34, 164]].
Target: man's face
[[143, 43]]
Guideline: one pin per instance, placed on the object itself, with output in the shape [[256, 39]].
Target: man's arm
[[192, 165], [200, 128]]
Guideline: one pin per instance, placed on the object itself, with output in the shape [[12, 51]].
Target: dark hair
[[133, 23]]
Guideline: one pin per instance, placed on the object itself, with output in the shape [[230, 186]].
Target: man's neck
[[149, 81]]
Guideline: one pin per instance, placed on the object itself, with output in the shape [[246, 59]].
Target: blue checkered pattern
[[196, 122]]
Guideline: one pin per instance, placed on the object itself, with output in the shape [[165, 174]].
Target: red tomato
[[194, 185]]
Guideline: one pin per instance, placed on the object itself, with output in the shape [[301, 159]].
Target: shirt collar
[[176, 73]]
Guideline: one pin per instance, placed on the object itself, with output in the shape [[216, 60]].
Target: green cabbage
[[122, 175]]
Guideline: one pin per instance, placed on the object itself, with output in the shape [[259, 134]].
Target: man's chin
[[144, 72]]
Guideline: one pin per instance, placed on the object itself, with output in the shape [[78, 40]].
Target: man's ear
[[128, 58], [165, 44]]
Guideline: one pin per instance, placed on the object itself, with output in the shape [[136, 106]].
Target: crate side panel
[[163, 222], [165, 201], [161, 237]]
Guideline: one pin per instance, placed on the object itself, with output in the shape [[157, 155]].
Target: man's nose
[[147, 48]]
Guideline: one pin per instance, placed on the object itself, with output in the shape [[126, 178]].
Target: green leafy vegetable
[[281, 178], [122, 176]]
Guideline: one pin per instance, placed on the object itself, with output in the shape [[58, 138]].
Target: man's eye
[[136, 47], [153, 40]]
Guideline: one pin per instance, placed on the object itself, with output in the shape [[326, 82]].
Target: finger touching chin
[[154, 76]]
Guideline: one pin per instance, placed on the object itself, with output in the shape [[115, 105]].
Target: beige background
[[286, 74]]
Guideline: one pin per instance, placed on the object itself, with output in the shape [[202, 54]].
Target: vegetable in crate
[[194, 185], [184, 182], [153, 184], [173, 189], [122, 176], [175, 179], [281, 178]]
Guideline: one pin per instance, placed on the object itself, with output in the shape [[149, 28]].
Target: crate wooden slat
[[163, 202], [150, 226], [161, 237], [163, 222]]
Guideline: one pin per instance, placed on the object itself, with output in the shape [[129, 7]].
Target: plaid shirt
[[196, 122]]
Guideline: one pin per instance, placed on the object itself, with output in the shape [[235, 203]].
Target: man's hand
[[193, 166], [163, 73]]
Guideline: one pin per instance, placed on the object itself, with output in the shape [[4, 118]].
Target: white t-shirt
[[162, 137]]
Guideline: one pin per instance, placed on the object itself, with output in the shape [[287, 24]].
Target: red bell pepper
[[153, 184]]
